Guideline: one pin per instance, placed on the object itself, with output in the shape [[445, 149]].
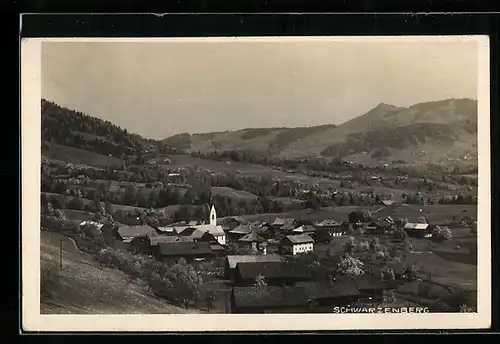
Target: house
[[371, 288], [335, 228], [274, 273], [239, 232], [280, 221], [255, 241], [127, 233], [305, 229], [377, 226], [418, 230], [304, 297], [186, 250], [359, 216], [296, 244], [233, 260], [231, 223]]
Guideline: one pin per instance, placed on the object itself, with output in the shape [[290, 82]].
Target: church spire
[[213, 216]]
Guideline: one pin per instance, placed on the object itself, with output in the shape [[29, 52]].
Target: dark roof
[[184, 249], [155, 240], [269, 296], [379, 223], [297, 295], [272, 270], [241, 229], [188, 231], [367, 282], [338, 288], [299, 239], [252, 237], [234, 260], [279, 221]]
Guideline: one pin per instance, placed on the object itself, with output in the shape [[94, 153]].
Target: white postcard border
[[32, 320]]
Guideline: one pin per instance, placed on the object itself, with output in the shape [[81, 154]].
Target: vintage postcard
[[255, 184]]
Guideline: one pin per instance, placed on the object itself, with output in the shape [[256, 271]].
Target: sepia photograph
[[342, 178]]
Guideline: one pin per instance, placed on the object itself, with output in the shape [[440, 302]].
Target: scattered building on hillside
[[418, 230], [296, 244], [233, 260], [188, 250], [274, 273], [127, 233]]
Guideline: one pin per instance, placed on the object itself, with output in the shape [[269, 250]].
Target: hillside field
[[435, 214], [77, 156], [82, 287]]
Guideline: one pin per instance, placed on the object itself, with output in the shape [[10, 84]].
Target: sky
[[162, 89]]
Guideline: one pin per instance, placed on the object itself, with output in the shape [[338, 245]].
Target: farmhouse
[[232, 261], [189, 251], [377, 226], [418, 230], [274, 273], [280, 222], [306, 297], [239, 232], [305, 229], [358, 216], [254, 240], [127, 233], [231, 223], [296, 244], [370, 287]]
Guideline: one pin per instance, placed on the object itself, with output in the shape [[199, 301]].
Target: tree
[[364, 246], [210, 296], [375, 244], [350, 246], [260, 281], [350, 266], [441, 233]]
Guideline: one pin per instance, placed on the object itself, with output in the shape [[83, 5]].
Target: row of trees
[[179, 282]]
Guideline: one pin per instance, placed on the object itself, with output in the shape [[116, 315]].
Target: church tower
[[213, 216]]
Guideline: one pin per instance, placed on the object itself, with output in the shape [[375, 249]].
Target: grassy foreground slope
[[82, 287]]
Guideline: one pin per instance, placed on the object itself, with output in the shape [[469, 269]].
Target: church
[[212, 227]]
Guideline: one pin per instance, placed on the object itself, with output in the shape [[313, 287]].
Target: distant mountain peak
[[385, 106]]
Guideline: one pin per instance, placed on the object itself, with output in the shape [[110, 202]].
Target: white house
[[296, 244]]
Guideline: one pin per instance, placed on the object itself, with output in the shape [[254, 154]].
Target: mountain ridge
[[430, 125]]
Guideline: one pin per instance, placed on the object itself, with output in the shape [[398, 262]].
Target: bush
[[350, 266], [441, 233], [364, 246]]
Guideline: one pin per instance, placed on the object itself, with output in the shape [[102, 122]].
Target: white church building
[[212, 227]]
